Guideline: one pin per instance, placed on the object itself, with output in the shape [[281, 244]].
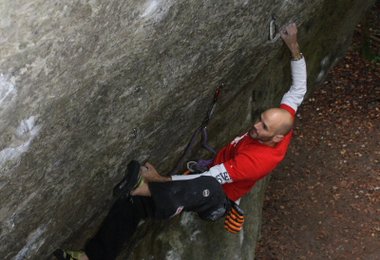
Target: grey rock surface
[[87, 85]]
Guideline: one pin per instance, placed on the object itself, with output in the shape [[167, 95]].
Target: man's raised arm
[[294, 97]]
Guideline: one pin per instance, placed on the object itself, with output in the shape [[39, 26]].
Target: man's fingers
[[283, 33], [143, 169], [150, 168], [289, 29], [148, 165]]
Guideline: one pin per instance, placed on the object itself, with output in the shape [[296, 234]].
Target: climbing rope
[[202, 131]]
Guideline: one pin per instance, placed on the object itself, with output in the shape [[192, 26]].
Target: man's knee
[[216, 204]]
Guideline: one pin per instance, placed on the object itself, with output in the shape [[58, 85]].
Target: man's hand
[[289, 36], [150, 174]]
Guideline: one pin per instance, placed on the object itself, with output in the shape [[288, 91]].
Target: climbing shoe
[[61, 254], [130, 182]]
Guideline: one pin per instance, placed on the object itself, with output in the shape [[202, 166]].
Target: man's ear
[[278, 138]]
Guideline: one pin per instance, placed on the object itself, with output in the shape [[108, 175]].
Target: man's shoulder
[[288, 108]]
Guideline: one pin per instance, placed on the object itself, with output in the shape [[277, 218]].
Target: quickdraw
[[202, 131], [274, 35]]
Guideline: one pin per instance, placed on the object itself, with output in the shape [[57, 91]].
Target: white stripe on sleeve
[[218, 171]]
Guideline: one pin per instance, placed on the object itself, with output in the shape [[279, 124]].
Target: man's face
[[262, 129]]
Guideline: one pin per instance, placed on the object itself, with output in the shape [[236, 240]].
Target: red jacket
[[247, 160]]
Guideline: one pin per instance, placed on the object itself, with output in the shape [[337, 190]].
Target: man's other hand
[[150, 174]]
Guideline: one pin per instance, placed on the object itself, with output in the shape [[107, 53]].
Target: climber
[[214, 193]]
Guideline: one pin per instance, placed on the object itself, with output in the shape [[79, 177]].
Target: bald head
[[272, 126], [280, 120]]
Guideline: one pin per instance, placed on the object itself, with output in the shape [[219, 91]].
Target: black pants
[[118, 227], [203, 195]]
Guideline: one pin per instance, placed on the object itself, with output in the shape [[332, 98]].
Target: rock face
[[85, 86]]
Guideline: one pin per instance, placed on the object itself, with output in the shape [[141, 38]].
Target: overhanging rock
[[85, 86]]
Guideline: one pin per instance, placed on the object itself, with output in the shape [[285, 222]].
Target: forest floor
[[324, 201]]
